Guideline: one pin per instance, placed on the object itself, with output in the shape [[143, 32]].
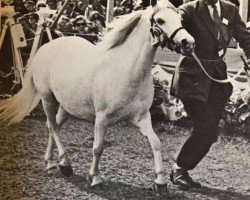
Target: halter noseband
[[156, 31]]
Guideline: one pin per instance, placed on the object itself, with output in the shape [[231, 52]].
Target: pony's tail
[[14, 109]]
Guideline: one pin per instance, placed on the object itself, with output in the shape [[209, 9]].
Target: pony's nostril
[[184, 42]]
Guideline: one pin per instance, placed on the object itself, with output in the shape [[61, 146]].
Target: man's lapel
[[225, 18], [206, 17], [225, 13]]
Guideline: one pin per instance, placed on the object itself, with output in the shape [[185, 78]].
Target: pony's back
[[61, 54]]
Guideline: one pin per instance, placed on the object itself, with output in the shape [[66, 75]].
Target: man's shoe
[[181, 177]]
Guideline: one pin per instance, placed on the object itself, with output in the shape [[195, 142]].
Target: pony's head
[[166, 27]]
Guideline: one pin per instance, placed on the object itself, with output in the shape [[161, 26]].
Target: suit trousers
[[205, 117]]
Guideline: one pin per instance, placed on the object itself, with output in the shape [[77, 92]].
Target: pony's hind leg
[[48, 157], [98, 147], [61, 117], [50, 106], [145, 126]]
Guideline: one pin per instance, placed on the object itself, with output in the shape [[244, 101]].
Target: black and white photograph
[[125, 99]]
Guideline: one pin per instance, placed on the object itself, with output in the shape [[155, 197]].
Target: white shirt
[[211, 9]]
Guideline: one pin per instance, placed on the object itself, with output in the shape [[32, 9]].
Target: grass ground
[[126, 165]]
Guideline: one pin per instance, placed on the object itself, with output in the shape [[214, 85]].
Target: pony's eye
[[160, 21]]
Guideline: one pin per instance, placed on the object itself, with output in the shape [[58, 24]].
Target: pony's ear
[[153, 3]]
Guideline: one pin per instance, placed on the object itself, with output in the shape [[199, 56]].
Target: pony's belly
[[129, 112], [76, 104], [82, 112]]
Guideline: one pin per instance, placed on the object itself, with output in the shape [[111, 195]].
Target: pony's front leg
[[98, 147], [145, 126]]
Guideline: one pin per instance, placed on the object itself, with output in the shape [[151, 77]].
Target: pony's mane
[[122, 28]]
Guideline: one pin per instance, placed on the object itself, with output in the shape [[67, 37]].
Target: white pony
[[105, 83]]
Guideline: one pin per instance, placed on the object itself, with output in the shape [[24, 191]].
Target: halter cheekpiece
[[157, 32]]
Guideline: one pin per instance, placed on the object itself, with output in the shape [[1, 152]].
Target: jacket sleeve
[[185, 13], [241, 34]]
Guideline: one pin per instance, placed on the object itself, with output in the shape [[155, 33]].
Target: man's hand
[[246, 62]]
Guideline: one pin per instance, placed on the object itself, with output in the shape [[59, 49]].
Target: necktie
[[219, 26]]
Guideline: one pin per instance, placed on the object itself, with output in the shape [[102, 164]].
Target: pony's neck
[[139, 44]]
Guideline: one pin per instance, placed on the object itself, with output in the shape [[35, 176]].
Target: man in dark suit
[[212, 23]]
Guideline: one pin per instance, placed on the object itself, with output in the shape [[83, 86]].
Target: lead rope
[[246, 69], [216, 80]]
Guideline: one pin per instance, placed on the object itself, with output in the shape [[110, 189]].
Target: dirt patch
[[126, 165]]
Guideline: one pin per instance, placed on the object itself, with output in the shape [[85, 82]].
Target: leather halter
[[156, 31]]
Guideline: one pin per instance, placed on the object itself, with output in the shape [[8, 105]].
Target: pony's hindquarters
[[14, 109]]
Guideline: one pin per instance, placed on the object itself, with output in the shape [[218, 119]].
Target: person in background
[[92, 28], [29, 36], [80, 25], [30, 6], [59, 4], [33, 19], [128, 6], [40, 4], [95, 6], [119, 9], [68, 28], [80, 7], [52, 4], [97, 19], [62, 22], [69, 11], [212, 23]]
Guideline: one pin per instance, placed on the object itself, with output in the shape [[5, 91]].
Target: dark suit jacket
[[192, 83]]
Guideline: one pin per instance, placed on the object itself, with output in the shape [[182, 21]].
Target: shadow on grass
[[221, 194], [117, 190], [237, 131]]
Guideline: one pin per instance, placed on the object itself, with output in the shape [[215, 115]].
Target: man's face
[[69, 9], [211, 2], [118, 2], [95, 2], [30, 7]]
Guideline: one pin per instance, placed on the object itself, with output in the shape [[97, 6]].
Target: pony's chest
[[129, 104]]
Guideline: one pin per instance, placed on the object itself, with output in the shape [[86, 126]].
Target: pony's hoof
[[99, 186], [94, 182], [160, 189], [66, 170], [51, 165]]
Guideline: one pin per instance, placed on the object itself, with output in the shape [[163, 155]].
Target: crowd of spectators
[[81, 17], [84, 18]]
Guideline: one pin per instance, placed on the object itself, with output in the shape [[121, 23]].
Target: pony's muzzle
[[184, 39], [187, 44], [184, 42]]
